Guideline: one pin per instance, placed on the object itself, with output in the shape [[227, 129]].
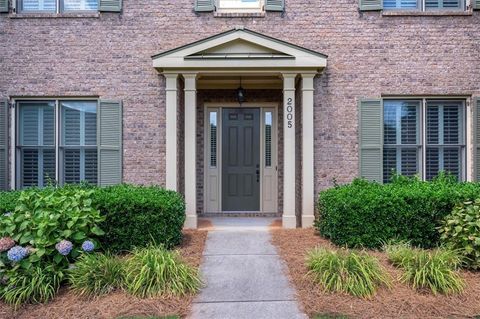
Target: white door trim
[[212, 193]]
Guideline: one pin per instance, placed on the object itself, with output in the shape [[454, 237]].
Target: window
[[423, 5], [213, 139], [40, 158], [56, 6], [268, 138], [240, 4], [401, 138], [79, 142], [404, 147]]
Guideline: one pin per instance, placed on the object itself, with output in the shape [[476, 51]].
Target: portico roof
[[240, 48]]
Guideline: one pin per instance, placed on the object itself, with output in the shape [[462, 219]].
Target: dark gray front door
[[241, 160]]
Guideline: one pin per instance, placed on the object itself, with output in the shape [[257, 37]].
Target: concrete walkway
[[244, 276]]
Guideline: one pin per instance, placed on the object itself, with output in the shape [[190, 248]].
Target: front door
[[241, 159]]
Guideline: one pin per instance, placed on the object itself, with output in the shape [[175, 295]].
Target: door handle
[[258, 173]]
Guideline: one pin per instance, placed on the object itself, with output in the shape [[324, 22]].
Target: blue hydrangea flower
[[88, 246], [64, 247], [17, 253]]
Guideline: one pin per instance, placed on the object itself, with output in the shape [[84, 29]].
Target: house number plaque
[[289, 112]]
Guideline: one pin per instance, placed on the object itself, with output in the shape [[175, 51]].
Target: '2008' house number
[[289, 112]]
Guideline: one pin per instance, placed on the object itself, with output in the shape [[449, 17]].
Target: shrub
[[154, 271], [96, 274], [48, 228], [135, 216], [53, 225], [37, 285], [355, 273], [460, 231], [366, 214], [435, 270]]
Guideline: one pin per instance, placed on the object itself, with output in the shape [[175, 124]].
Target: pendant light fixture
[[241, 93]]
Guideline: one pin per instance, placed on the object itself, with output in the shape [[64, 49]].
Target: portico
[[249, 131]]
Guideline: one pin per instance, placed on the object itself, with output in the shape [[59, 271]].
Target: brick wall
[[369, 55]]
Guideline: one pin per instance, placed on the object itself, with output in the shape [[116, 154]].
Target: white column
[[308, 196], [171, 131], [190, 149], [289, 218]]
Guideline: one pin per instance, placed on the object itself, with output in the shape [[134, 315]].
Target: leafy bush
[[356, 273], [460, 231], [96, 274], [435, 270], [46, 231], [366, 214], [37, 285], [154, 271], [137, 216], [53, 224]]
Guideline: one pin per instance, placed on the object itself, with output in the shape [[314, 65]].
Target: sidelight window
[[213, 138]]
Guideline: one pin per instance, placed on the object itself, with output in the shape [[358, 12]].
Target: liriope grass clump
[[352, 272], [37, 285], [96, 275], [154, 271], [435, 270]]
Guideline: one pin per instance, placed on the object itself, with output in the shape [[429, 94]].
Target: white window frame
[[466, 131], [59, 4], [236, 6], [15, 131], [421, 6]]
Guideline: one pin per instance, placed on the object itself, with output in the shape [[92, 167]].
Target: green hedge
[[139, 215], [368, 214], [135, 215]]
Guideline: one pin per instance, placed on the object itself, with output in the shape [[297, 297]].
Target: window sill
[[239, 14], [53, 15], [412, 13]]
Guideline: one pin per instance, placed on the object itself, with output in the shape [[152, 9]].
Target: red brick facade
[[369, 54]]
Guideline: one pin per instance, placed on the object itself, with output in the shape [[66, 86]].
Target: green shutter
[[371, 139], [371, 5], [109, 5], [476, 4], [275, 5], [109, 143], [4, 144], [476, 111], [4, 6], [204, 5]]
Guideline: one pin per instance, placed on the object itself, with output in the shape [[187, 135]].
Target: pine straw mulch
[[116, 304], [399, 302]]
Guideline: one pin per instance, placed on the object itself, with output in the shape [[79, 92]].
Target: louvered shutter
[[3, 144], [204, 5], [110, 5], [275, 5], [370, 5], [476, 107], [109, 143], [371, 139], [476, 4], [4, 6]]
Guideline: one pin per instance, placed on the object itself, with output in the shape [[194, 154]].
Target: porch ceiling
[[241, 50]]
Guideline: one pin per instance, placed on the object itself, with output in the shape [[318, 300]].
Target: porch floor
[[243, 274]]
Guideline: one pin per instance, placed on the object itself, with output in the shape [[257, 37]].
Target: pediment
[[239, 48]]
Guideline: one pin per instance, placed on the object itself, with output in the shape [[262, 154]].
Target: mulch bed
[[117, 304], [399, 302]]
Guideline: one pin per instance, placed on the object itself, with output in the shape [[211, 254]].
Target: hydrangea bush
[[48, 229]]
